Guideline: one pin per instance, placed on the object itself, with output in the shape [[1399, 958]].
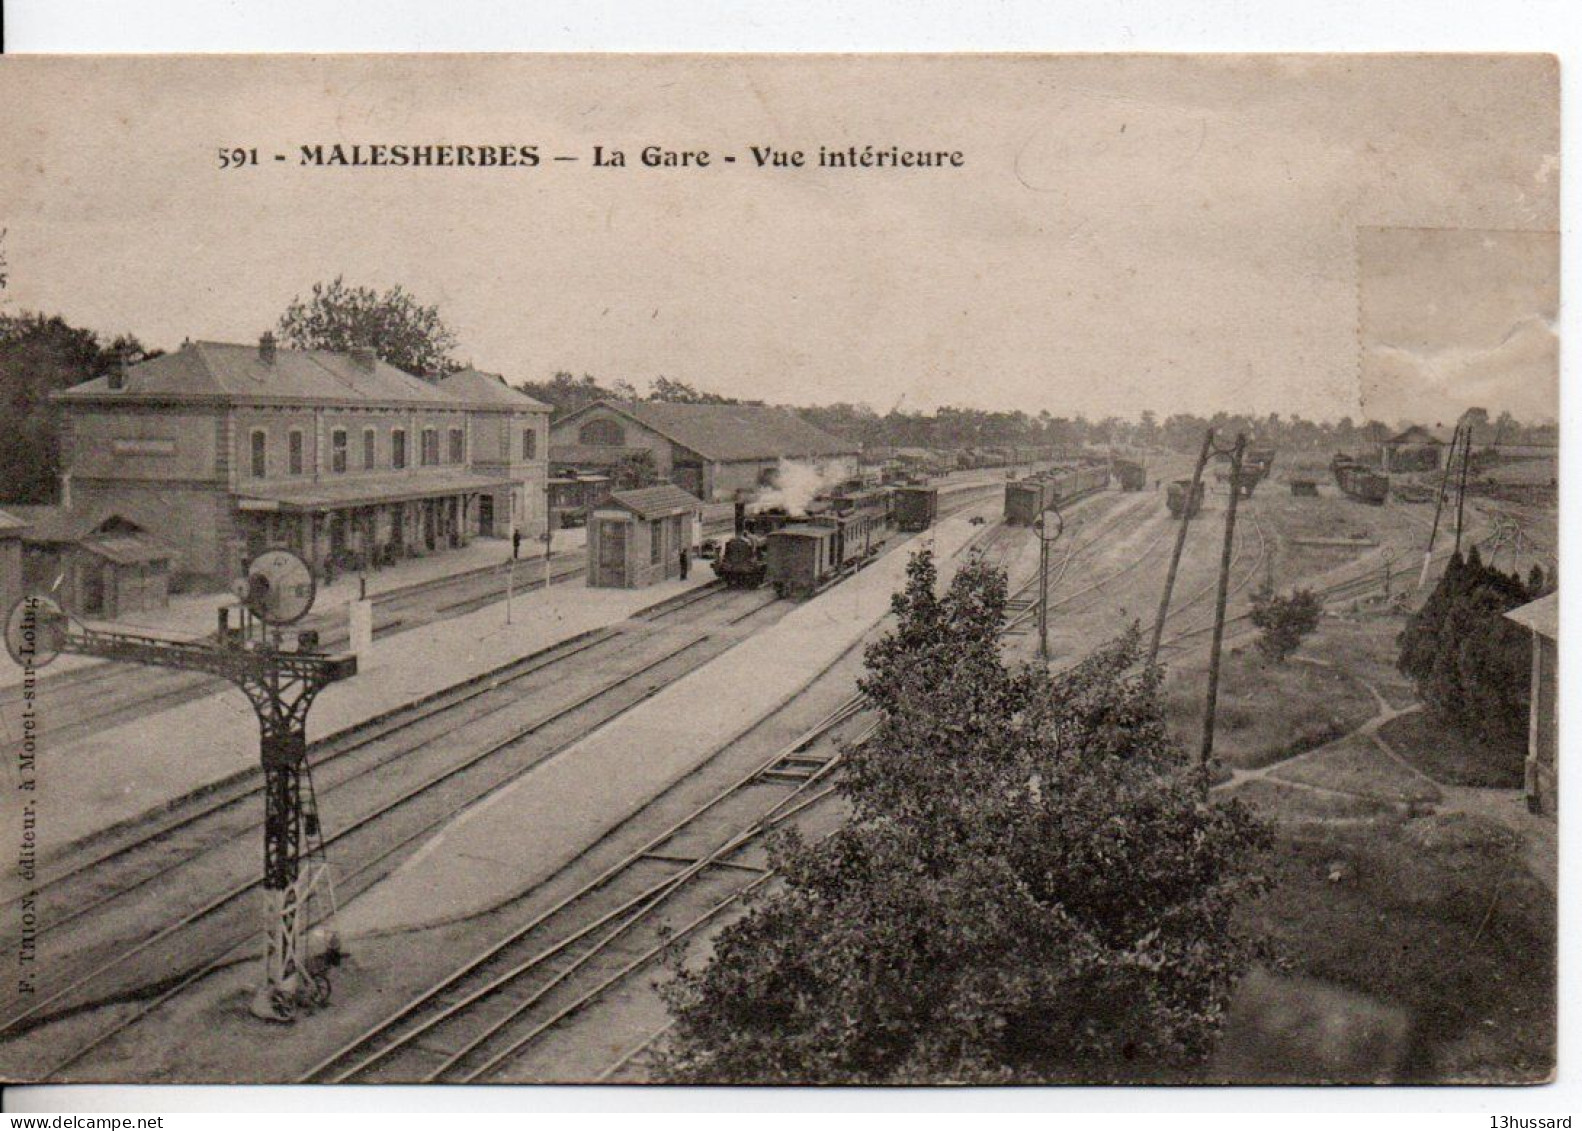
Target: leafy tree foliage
[[39, 355], [1284, 620], [1031, 886], [635, 469], [399, 329], [679, 392], [566, 394], [1470, 663]]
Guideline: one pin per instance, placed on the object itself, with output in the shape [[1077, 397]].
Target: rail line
[[478, 1011], [106, 694], [219, 915], [424, 806]]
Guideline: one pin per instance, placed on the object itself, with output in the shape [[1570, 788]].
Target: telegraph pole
[[1181, 532], [1461, 490], [1236, 454], [1439, 504], [1045, 540]]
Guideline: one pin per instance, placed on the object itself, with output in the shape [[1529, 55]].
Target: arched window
[[338, 451], [260, 453], [605, 433]]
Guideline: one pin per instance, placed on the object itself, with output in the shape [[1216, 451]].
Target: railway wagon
[[915, 508], [805, 557], [1360, 482], [1131, 475], [1028, 498], [1177, 498], [1259, 462]]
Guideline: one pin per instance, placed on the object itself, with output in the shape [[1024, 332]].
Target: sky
[[1180, 233]]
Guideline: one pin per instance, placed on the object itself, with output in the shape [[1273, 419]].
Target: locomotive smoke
[[797, 481]]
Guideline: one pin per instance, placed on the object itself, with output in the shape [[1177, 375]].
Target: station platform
[[126, 771], [522, 834], [194, 614]]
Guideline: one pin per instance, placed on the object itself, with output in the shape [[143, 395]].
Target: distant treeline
[[40, 354]]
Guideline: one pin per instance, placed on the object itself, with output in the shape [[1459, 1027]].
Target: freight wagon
[[1028, 498], [915, 508], [1179, 492], [1361, 482], [1130, 475]]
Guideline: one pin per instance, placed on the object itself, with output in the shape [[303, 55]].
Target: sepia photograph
[[856, 570]]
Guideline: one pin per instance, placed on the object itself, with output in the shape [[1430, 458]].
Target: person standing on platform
[[686, 562], [516, 544]]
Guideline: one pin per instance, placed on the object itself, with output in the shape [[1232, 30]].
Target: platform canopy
[[363, 491]]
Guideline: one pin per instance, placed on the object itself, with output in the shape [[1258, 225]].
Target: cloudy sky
[[1180, 233]]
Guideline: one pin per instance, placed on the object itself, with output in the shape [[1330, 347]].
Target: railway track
[[101, 695], [467, 1027], [215, 933], [502, 733]]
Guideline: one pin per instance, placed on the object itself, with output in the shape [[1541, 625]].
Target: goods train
[[1177, 498], [1028, 498], [1359, 481], [1130, 475]]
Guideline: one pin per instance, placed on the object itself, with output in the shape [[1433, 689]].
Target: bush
[[1031, 888], [1285, 621]]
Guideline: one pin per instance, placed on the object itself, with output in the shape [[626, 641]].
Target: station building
[[218, 451], [718, 453], [636, 538], [1542, 619]]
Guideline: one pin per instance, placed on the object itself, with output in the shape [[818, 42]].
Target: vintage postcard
[[799, 570]]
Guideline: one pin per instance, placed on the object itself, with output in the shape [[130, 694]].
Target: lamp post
[[1049, 520]]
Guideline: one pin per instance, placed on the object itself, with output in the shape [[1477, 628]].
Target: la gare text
[[401, 156]]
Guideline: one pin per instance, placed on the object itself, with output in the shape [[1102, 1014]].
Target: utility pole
[[1045, 540], [1461, 489], [1181, 533], [1236, 454]]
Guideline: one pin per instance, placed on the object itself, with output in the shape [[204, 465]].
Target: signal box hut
[[99, 562], [635, 538], [1542, 619], [11, 529]]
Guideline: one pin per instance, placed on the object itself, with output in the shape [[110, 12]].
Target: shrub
[[1285, 621]]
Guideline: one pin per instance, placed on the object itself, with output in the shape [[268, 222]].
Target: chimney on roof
[[266, 348], [363, 358], [118, 372]]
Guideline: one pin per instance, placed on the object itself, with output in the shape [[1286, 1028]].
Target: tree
[[1031, 887], [1469, 662], [41, 354], [1285, 621], [635, 469], [399, 329], [679, 392]]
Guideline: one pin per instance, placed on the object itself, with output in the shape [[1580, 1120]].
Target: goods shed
[[637, 538]]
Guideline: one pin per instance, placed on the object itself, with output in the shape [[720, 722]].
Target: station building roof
[[1541, 616], [225, 372], [475, 387]]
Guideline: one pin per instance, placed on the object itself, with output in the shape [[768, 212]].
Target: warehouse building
[[219, 450], [11, 530], [99, 562], [717, 453]]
